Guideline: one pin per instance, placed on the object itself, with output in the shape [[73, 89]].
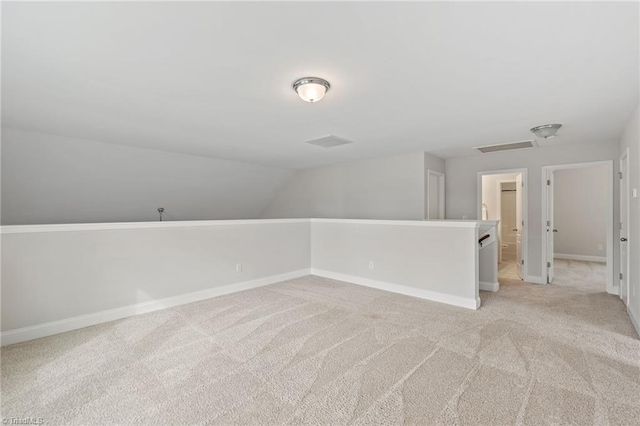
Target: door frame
[[441, 195], [525, 212], [609, 216], [499, 183], [624, 159]]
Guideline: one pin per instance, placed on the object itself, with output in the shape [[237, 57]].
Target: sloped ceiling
[[214, 79]]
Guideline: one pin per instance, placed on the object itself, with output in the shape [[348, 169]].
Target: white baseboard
[[485, 286], [469, 303], [601, 259], [635, 321], [68, 324]]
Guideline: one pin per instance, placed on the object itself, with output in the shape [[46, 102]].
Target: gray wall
[[631, 140], [51, 179], [383, 188], [462, 184], [580, 211]]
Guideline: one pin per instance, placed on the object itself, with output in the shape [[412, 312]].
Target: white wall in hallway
[[580, 208], [462, 184], [52, 179]]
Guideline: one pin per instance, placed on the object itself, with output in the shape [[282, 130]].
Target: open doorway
[[502, 197], [578, 231]]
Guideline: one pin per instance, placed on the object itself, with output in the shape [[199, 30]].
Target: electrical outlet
[[600, 248], [371, 264], [238, 267]]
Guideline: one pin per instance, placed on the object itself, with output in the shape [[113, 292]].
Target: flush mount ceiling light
[[311, 89], [546, 131]]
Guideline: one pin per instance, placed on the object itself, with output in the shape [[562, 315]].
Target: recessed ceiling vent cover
[[329, 141], [506, 146]]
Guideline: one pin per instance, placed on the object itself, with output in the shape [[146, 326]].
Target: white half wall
[[383, 188], [57, 278], [51, 276], [462, 185], [53, 179], [433, 260], [631, 140], [580, 212]]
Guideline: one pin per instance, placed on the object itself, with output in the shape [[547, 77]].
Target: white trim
[[23, 229], [68, 324], [634, 320], [584, 258], [525, 209], [469, 303], [484, 286], [437, 223], [611, 289]]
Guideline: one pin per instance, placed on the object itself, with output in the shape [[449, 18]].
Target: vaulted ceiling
[[214, 79]]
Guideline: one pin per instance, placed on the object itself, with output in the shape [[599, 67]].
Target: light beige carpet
[[317, 351], [587, 276]]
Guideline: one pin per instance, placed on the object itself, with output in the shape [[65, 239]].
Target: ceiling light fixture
[[311, 89], [546, 131]]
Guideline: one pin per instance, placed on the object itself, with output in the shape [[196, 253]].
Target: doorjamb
[[525, 212], [609, 216]]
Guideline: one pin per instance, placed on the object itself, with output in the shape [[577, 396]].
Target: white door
[[550, 227], [624, 228], [519, 224]]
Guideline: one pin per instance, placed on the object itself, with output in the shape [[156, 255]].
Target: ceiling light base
[[311, 89], [546, 131]]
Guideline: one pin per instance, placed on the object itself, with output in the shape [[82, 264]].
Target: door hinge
[[621, 275], [548, 181], [523, 223], [548, 264], [523, 261], [620, 225], [620, 175]]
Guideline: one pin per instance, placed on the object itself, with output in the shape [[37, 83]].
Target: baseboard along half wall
[[69, 324], [469, 303], [75, 323]]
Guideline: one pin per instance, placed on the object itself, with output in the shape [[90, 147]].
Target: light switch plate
[[634, 193]]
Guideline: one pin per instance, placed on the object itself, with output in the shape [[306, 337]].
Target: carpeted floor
[[587, 276], [317, 351]]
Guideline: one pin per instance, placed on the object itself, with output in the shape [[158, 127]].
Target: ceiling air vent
[[506, 146], [328, 141]]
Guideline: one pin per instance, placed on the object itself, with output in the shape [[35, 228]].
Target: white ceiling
[[214, 79]]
